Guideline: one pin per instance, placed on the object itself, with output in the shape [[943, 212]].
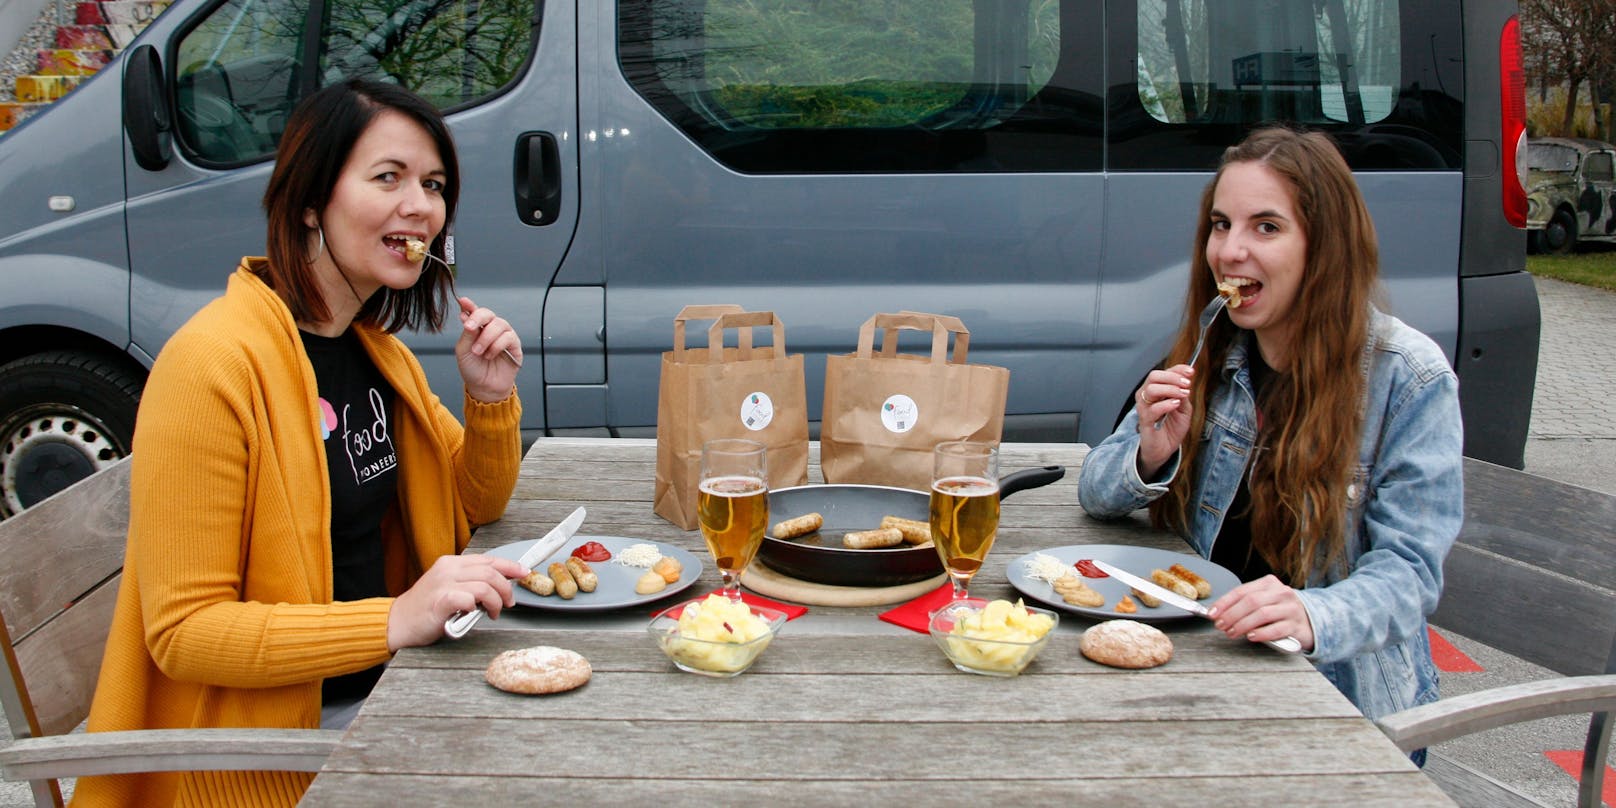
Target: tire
[[1559, 236], [64, 415]]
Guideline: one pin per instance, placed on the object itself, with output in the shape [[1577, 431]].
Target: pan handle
[[1029, 478]]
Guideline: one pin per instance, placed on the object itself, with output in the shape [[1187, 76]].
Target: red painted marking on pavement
[[1571, 761], [1449, 659]]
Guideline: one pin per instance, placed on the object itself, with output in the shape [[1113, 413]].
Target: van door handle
[[538, 178]]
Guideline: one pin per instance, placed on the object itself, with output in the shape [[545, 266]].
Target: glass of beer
[[733, 505], [964, 507]]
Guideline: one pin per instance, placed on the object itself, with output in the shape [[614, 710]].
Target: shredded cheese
[[644, 556], [1047, 568]]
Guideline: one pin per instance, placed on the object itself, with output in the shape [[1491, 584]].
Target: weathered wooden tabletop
[[844, 707]]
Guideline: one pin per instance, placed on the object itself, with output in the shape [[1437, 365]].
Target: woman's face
[[390, 189], [1257, 243]]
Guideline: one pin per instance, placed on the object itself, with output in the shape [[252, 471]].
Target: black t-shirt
[[1232, 550], [356, 406]]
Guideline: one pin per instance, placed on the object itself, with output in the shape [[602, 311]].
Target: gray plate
[[616, 588], [1137, 560]]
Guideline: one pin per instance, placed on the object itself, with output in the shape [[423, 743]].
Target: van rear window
[[1188, 78], [1247, 61]]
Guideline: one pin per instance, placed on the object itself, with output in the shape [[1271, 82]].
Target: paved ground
[[1572, 439], [1573, 433]]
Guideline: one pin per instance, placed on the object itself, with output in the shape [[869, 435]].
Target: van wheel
[[64, 415], [1559, 236]]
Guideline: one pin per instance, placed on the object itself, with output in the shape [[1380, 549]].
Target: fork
[[1208, 314], [450, 267]]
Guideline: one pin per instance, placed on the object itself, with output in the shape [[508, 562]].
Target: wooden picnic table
[[843, 706]]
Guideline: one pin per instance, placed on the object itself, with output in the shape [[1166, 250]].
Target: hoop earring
[[321, 251]]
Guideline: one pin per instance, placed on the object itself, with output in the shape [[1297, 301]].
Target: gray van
[[1031, 166]]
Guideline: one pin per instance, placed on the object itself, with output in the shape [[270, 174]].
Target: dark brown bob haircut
[[320, 135]]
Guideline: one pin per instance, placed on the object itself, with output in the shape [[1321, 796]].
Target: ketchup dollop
[[1086, 566], [591, 551]]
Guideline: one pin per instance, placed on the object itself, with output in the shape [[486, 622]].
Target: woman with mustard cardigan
[[299, 496]]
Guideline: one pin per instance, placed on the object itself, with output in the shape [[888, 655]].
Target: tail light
[[1512, 93]]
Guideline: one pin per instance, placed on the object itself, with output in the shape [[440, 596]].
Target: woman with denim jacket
[[1315, 449]]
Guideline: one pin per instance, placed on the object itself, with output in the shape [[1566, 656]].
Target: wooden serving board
[[767, 582]]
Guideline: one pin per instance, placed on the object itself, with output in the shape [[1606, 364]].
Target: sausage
[[914, 531], [1167, 580], [669, 569], [799, 526], [538, 583], [1203, 587], [565, 585], [650, 583], [873, 539], [585, 577]]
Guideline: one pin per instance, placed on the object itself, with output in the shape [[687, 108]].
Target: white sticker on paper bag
[[899, 413], [757, 411]]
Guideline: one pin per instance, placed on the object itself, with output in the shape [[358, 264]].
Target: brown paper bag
[[739, 392], [885, 411]]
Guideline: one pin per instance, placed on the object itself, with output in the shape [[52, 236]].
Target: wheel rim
[[46, 448]]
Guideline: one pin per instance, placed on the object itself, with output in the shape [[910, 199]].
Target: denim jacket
[[1405, 507]]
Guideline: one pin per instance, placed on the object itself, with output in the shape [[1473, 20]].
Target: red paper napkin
[[792, 610], [916, 614]]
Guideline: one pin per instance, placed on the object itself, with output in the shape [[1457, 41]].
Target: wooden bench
[[1531, 575], [1534, 571], [60, 563]]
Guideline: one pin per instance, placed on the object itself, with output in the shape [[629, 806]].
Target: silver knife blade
[[461, 622], [1288, 644], [552, 541], [1150, 588]]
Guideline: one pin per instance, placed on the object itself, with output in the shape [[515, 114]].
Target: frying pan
[[820, 557]]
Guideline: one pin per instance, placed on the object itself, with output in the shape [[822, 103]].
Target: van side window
[[236, 79], [239, 69], [452, 52], [774, 86]]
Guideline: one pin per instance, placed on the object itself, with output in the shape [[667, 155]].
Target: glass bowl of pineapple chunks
[[994, 638], [713, 635]]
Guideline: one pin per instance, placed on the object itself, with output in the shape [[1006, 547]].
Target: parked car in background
[[1570, 193]]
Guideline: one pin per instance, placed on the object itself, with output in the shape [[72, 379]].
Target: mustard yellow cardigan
[[224, 616]]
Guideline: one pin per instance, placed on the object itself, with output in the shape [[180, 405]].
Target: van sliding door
[[828, 160]]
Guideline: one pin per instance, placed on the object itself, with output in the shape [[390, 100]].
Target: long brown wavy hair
[[1311, 412]]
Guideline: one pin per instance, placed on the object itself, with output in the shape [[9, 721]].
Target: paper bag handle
[[940, 326], [698, 312], [744, 322]]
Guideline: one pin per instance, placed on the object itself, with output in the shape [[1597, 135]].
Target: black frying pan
[[820, 557]]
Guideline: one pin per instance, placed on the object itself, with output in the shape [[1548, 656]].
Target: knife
[[1289, 644], [461, 622]]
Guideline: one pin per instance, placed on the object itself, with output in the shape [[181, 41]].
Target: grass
[[1591, 265]]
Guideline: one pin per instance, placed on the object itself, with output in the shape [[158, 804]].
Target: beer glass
[[964, 507], [733, 505]]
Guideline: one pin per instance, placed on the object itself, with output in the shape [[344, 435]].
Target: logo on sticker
[[899, 413], [757, 411]]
